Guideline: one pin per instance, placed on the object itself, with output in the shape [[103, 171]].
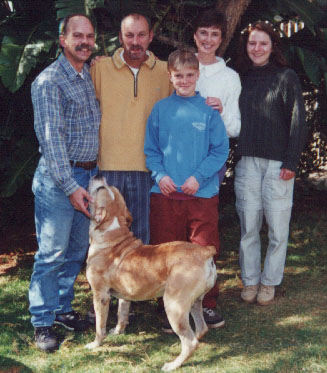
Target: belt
[[86, 165]]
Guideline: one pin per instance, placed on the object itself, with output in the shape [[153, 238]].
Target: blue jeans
[[260, 192], [63, 238], [135, 188]]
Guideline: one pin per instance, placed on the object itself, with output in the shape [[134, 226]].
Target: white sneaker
[[249, 293], [266, 294]]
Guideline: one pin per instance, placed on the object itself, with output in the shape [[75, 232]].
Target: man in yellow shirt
[[127, 86]]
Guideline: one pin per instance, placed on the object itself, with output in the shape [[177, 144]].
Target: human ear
[[62, 41], [151, 36]]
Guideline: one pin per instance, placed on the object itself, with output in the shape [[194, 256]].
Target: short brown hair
[[182, 58], [136, 16], [211, 18], [63, 26]]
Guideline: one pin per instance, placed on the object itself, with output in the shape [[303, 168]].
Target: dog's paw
[[116, 331], [170, 366], [92, 345]]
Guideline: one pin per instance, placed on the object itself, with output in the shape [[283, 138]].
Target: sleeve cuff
[[199, 178], [159, 176], [70, 187], [289, 166]]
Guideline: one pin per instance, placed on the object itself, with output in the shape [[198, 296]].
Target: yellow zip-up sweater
[[126, 102]]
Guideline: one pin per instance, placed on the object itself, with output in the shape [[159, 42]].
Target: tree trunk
[[233, 10]]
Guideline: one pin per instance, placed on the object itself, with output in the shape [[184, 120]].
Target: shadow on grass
[[12, 366], [290, 335]]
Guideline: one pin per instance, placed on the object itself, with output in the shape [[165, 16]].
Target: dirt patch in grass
[[17, 244]]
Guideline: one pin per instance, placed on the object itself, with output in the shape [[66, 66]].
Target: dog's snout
[[98, 176]]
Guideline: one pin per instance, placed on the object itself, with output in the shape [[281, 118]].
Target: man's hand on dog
[[80, 200]]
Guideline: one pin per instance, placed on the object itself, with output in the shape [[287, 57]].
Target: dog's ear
[[122, 205], [129, 217]]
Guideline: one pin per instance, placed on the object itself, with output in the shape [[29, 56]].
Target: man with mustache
[[127, 86], [66, 121]]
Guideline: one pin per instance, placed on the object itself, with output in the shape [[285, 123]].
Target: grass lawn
[[290, 335]]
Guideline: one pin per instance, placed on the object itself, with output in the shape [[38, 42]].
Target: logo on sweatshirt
[[199, 126]]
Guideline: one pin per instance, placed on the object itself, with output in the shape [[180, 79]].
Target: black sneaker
[[46, 340], [166, 327], [213, 319], [71, 321]]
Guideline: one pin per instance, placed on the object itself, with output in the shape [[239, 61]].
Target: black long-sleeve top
[[272, 115]]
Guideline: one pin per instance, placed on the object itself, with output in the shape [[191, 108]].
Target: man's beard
[[136, 48]]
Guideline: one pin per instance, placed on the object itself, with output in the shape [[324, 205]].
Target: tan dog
[[118, 264]]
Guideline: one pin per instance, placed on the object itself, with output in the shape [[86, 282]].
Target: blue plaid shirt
[[66, 120]]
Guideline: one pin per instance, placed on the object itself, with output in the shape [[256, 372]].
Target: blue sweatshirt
[[185, 137]]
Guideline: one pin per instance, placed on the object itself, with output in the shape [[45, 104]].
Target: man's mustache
[[84, 46]]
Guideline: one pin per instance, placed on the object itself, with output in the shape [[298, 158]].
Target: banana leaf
[[21, 167], [68, 7], [17, 60], [311, 64]]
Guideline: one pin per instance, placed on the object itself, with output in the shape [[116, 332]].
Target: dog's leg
[[178, 316], [101, 303], [201, 327], [123, 311]]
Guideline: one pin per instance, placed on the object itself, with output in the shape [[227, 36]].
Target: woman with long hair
[[271, 140]]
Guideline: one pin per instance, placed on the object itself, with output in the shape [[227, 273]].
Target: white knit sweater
[[218, 80]]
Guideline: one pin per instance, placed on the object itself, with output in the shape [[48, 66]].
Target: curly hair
[[243, 62]]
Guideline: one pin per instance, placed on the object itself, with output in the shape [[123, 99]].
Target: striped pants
[[135, 187]]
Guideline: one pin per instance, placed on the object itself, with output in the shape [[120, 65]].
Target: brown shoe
[[249, 293], [266, 295]]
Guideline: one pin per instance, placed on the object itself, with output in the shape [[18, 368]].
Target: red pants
[[193, 220]]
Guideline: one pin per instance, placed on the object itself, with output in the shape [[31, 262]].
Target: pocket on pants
[[280, 189], [278, 193], [247, 189], [41, 178]]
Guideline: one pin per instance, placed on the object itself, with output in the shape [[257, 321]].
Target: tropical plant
[[28, 35], [27, 40]]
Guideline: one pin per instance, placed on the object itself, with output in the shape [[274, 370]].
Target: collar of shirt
[[120, 61], [134, 69], [212, 69], [71, 72]]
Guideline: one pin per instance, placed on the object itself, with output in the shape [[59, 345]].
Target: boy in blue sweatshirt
[[185, 147]]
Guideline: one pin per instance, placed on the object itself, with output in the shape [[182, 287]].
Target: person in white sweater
[[219, 84]]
